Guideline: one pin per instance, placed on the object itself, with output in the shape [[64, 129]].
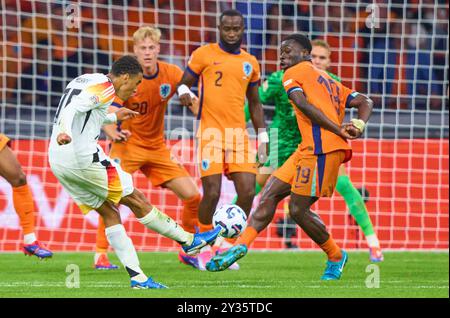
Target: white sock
[[125, 251], [219, 241], [226, 244], [161, 223], [29, 238], [372, 240], [206, 248]]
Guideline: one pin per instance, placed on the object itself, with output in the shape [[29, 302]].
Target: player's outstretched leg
[[159, 222], [358, 210], [124, 248], [101, 260], [187, 191], [273, 193], [312, 225], [23, 202]]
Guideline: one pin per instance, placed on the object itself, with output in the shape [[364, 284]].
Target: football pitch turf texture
[[262, 275]]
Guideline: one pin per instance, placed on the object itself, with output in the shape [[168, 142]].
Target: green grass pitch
[[262, 275]]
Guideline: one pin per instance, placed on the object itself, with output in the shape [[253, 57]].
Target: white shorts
[[92, 186]]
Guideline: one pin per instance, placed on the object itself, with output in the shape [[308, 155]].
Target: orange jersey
[[224, 79], [324, 93], [150, 100]]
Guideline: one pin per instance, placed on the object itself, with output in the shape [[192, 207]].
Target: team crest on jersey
[[205, 164], [248, 68], [164, 90], [95, 99]]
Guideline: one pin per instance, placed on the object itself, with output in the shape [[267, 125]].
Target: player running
[[11, 170], [311, 171], [94, 181], [226, 74], [140, 143], [284, 141]]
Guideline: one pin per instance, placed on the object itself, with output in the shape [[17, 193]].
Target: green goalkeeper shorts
[[280, 149]]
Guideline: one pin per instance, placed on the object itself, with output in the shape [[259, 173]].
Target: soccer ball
[[231, 218]]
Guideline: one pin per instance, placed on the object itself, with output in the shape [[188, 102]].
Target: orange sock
[[102, 243], [204, 227], [189, 216], [24, 206], [247, 237], [332, 250], [231, 240]]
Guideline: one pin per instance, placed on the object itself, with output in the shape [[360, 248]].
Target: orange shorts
[[312, 175], [4, 141], [158, 164], [217, 158]]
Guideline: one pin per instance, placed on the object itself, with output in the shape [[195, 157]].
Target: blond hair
[[151, 32], [321, 43]]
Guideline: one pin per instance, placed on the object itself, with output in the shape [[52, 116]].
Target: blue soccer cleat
[[201, 240], [222, 261], [334, 269], [149, 284], [37, 249]]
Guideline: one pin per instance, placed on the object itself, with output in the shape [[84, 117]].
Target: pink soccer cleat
[[103, 263], [376, 255]]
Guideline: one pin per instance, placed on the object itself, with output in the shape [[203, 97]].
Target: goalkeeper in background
[[284, 141]]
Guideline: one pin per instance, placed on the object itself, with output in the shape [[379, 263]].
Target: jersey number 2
[[219, 78]]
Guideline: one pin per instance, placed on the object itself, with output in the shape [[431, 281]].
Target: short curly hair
[[300, 39], [126, 64]]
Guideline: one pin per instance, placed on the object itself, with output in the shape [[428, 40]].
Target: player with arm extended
[[140, 143], [11, 170], [311, 171], [288, 139], [93, 180], [226, 74]]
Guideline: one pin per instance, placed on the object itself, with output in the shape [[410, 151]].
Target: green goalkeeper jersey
[[272, 92]]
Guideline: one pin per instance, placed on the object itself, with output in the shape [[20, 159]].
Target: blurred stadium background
[[394, 51]]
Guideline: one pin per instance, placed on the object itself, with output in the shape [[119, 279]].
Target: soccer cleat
[[203, 259], [333, 271], [38, 249], [235, 266], [376, 255], [103, 263], [188, 260], [149, 284], [201, 240], [224, 260]]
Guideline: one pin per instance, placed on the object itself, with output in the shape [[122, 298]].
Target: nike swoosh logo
[[202, 243]]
